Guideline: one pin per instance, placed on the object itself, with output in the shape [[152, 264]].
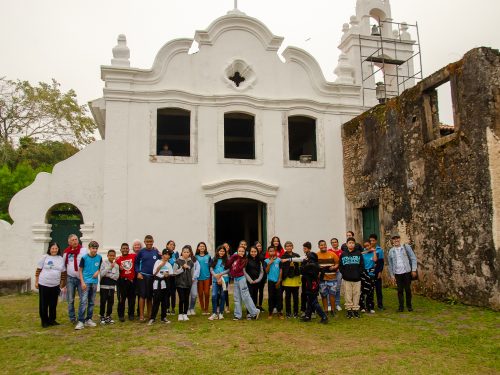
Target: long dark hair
[[52, 243], [198, 248], [278, 249], [217, 257], [256, 256]]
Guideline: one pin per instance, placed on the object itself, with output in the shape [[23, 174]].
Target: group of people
[[154, 279]]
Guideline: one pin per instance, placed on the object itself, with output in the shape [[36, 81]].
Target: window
[[173, 132], [239, 136], [302, 138]]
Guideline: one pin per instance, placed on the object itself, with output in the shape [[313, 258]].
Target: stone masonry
[[438, 186]]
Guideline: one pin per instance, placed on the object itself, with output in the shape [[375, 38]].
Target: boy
[[161, 293], [310, 286], [126, 289], [306, 248], [144, 263], [110, 271], [379, 267], [274, 275], [368, 279], [329, 263], [89, 273], [290, 265], [335, 249], [351, 267]]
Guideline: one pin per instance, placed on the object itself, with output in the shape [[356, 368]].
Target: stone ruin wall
[[441, 192]]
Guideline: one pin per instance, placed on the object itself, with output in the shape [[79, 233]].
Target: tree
[[42, 112]]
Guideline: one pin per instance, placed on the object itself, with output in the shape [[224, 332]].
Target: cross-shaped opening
[[237, 79]]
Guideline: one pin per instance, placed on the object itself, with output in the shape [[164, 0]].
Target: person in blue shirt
[[89, 268], [366, 303], [204, 261], [274, 277], [144, 264], [220, 281], [379, 267]]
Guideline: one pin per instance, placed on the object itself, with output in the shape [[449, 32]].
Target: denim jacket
[[409, 260]]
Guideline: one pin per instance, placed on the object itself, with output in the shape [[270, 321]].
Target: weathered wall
[[438, 191]]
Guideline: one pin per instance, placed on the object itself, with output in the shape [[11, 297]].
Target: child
[[110, 271], [262, 284], [220, 280], [184, 274], [174, 255], [236, 265], [306, 248], [368, 279], [254, 271], [274, 275], [329, 263], [276, 243], [193, 293], [204, 261], [352, 266], [379, 267], [290, 264], [311, 275], [162, 270], [49, 278], [337, 251], [89, 273], [126, 289]]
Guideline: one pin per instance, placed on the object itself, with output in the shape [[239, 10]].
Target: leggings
[[171, 287], [183, 300], [204, 294]]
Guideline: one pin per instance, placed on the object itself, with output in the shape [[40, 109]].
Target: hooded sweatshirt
[[236, 265], [183, 277], [352, 265], [310, 275]]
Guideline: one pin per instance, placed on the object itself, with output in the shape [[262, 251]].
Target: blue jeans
[[73, 285], [216, 292], [241, 293], [339, 284], [193, 295], [87, 303]]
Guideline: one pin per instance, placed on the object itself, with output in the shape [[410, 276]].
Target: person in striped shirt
[[329, 264]]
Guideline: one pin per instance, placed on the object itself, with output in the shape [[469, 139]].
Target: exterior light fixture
[[380, 92]]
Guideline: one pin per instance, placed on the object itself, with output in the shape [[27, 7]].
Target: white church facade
[[228, 142]]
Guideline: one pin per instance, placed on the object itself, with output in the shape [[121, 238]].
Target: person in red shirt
[[337, 251], [276, 243], [126, 288]]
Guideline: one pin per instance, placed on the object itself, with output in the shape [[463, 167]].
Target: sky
[[70, 39]]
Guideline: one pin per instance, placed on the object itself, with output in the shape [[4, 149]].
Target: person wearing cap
[[90, 266], [402, 264]]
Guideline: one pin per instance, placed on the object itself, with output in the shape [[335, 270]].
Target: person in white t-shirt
[[50, 276]]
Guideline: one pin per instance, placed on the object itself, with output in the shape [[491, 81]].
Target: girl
[[220, 281], [194, 285], [229, 253], [276, 243], [204, 261], [184, 274], [262, 284], [50, 276], [254, 271], [236, 265], [174, 255]]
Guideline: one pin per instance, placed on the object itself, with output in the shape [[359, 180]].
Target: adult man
[[402, 264], [144, 263], [72, 257], [379, 267]]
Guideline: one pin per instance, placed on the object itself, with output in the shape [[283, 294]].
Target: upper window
[[302, 138], [239, 136], [173, 132]]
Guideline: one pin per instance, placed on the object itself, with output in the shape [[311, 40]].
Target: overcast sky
[[69, 40]]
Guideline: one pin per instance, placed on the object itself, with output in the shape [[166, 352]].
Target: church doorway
[[66, 219], [240, 219]]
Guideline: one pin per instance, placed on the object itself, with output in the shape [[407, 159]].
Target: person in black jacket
[[290, 264], [352, 267], [311, 276]]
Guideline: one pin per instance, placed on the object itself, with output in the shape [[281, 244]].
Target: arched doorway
[[239, 219], [65, 219]]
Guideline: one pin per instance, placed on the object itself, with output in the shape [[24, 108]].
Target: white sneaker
[[186, 317], [221, 316], [372, 311], [151, 321], [180, 318], [90, 323], [213, 317], [79, 326], [339, 308]]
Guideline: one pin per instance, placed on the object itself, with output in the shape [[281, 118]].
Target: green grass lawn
[[434, 339]]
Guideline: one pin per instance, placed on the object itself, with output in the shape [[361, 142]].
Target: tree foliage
[[42, 112]]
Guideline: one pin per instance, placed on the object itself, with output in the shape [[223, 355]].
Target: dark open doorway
[[239, 219]]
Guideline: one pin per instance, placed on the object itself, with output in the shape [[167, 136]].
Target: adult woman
[[50, 276]]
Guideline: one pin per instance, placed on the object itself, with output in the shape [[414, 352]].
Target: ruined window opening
[[173, 132], [239, 136], [301, 137], [237, 79], [445, 109]]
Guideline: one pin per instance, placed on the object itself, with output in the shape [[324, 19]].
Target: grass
[[436, 338]]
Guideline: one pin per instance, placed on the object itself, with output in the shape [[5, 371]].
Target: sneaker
[[313, 316], [236, 319], [186, 317], [151, 322], [356, 314], [221, 316], [54, 323], [410, 309], [180, 318], [90, 323], [332, 313], [109, 320], [261, 309], [190, 312], [213, 317], [302, 314], [122, 319], [165, 320], [324, 320], [79, 326], [103, 321], [372, 311], [168, 311], [363, 310], [339, 308], [256, 316], [73, 321], [45, 325], [349, 314], [306, 318]]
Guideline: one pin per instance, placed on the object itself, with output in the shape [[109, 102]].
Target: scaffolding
[[384, 53]]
